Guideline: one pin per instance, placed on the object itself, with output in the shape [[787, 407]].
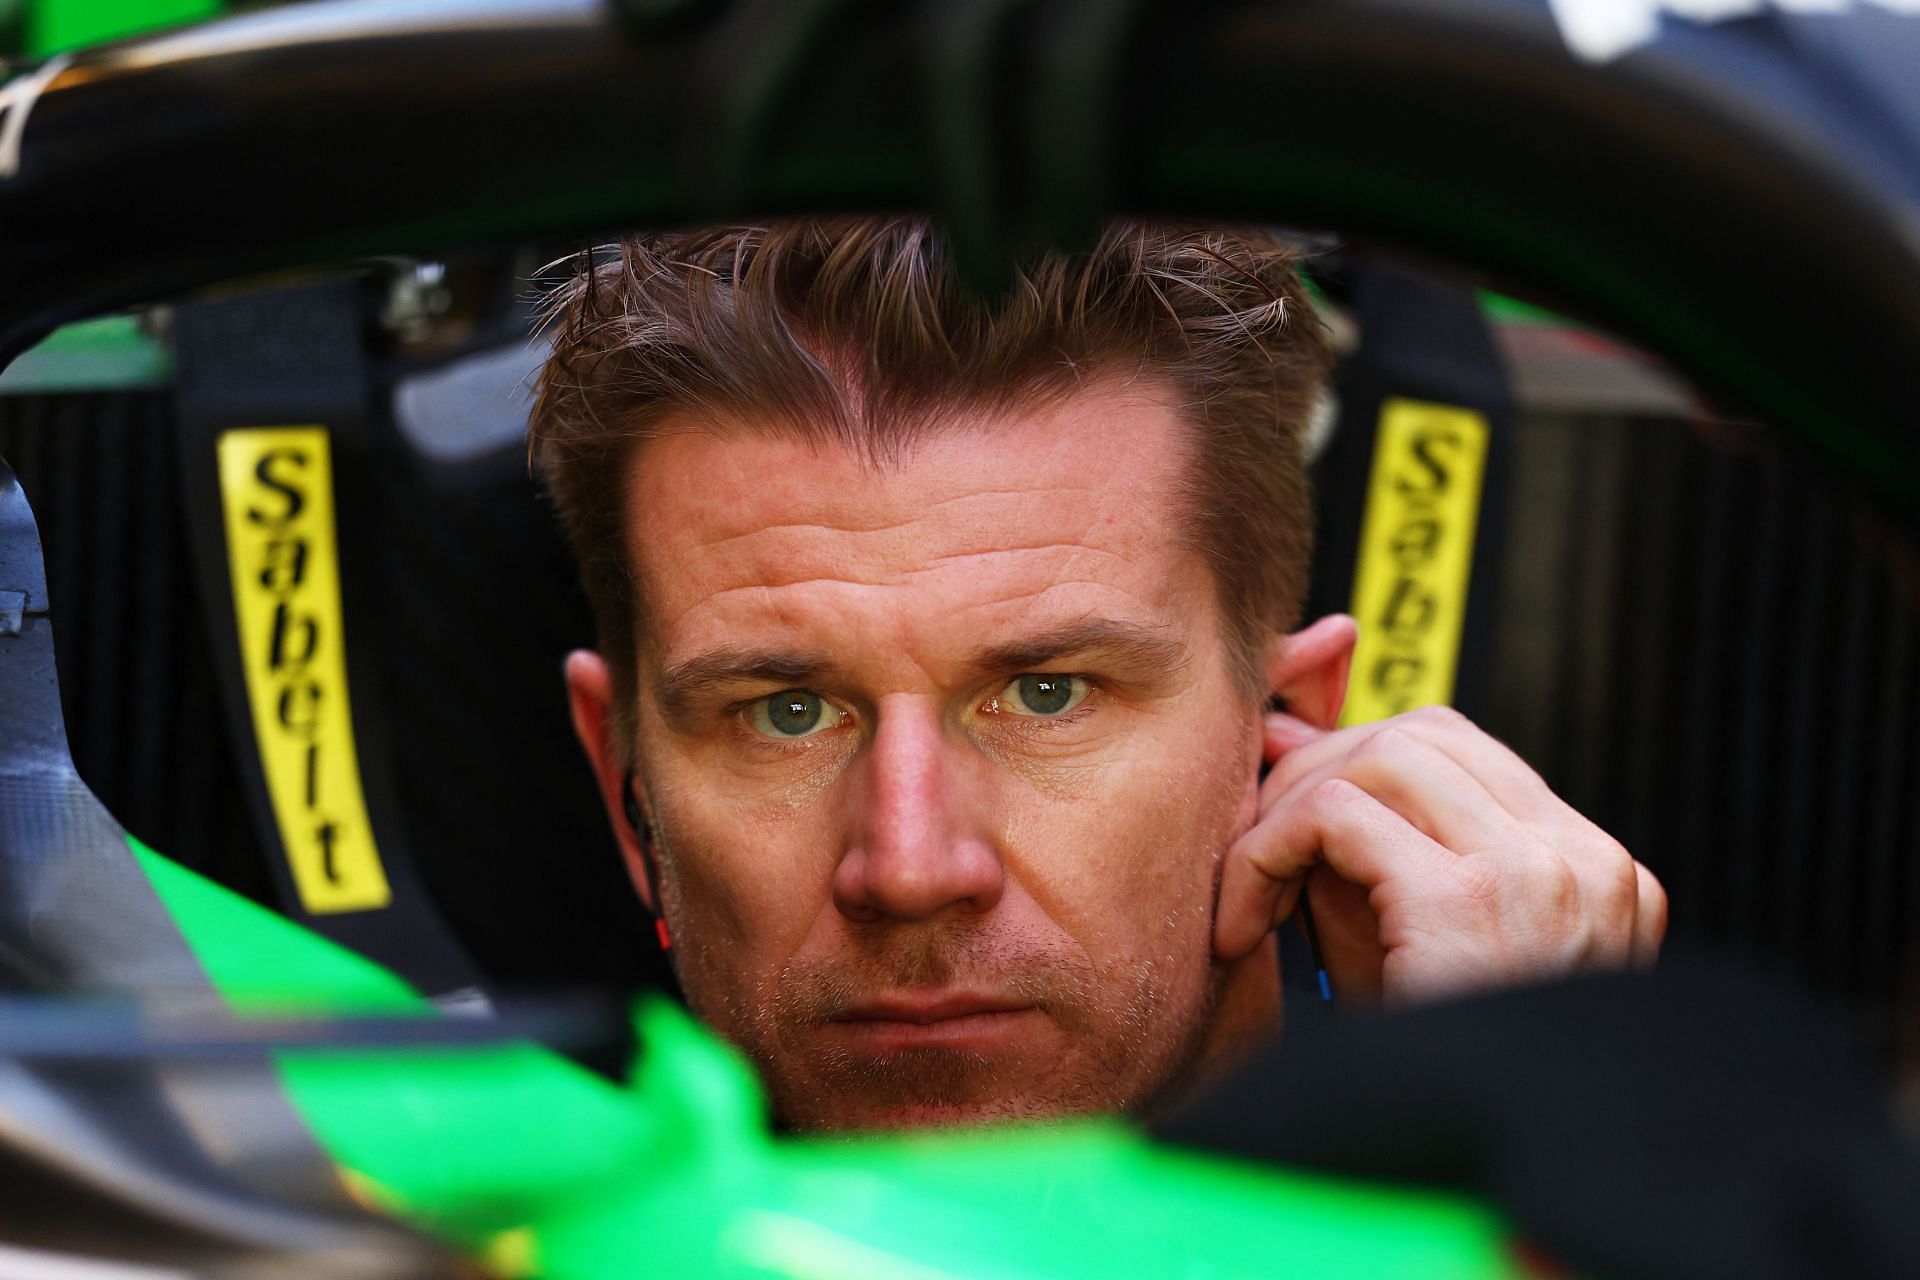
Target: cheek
[[1129, 866], [743, 884]]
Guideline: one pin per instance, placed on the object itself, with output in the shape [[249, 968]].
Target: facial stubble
[[1123, 1034]]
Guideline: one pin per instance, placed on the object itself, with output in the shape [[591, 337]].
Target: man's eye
[[1042, 695], [794, 713]]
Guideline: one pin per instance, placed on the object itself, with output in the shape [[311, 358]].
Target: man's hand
[[1439, 863]]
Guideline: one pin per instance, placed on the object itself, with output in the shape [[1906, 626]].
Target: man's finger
[[1508, 778], [1426, 787], [1284, 733], [1298, 750], [1294, 748], [1336, 823], [1649, 918], [1612, 886]]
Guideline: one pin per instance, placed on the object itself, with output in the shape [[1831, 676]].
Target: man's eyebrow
[[1135, 645], [1142, 646], [680, 685]]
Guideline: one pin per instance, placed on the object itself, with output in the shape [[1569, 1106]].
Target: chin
[[1008, 1067], [908, 1116], [926, 1091]]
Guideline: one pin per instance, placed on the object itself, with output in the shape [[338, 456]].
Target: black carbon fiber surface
[[209, 1166]]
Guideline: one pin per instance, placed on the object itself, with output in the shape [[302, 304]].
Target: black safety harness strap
[[1412, 493], [273, 393]]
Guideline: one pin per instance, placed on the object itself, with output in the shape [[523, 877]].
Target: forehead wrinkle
[[799, 526], [1073, 549], [1142, 601], [918, 515], [862, 498], [1071, 554], [767, 589]]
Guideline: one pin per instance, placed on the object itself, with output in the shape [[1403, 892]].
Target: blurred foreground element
[[53, 26], [681, 1166], [1690, 1123]]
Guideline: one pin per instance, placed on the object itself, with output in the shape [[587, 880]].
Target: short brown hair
[[859, 331]]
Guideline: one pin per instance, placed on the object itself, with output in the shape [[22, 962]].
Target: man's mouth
[[965, 1021]]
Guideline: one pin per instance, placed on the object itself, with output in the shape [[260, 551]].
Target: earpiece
[[1304, 912], [643, 834]]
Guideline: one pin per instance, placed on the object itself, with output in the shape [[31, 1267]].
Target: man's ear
[[590, 695], [1308, 669]]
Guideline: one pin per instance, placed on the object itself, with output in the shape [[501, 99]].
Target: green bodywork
[[54, 26], [517, 1156], [112, 353]]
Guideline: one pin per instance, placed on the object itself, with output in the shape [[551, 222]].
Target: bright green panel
[[57, 25], [112, 353], [461, 1139]]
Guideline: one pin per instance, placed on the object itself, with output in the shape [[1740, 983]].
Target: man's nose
[[912, 853]]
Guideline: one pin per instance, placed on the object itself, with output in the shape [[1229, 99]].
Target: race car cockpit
[[317, 957]]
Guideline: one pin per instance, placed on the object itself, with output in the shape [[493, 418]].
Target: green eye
[[1042, 695], [794, 713]]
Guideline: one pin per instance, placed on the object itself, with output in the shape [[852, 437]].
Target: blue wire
[[1313, 947]]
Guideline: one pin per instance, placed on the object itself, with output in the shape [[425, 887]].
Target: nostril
[[857, 912], [914, 883]]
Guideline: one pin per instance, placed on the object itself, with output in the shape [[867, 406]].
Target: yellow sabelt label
[[1415, 558], [276, 485]]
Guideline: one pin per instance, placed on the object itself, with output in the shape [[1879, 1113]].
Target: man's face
[[941, 758]]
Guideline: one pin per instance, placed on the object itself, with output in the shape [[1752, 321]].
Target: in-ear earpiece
[[643, 834], [1322, 982]]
